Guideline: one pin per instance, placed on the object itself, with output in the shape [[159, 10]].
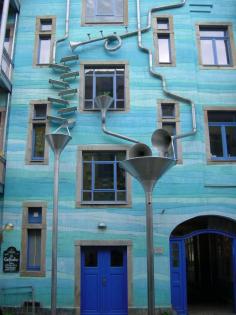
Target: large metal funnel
[[57, 141], [147, 169]]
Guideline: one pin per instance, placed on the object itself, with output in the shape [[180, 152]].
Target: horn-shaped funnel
[[74, 45], [161, 139], [139, 150], [103, 102], [147, 169], [57, 141]]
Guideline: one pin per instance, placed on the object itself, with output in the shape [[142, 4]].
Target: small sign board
[[159, 250], [11, 260]]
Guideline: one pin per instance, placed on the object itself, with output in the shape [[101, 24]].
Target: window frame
[[167, 33], [175, 119], [83, 65], [231, 46], [24, 271], [6, 65], [85, 23], [207, 136], [29, 147], [79, 202], [40, 33]]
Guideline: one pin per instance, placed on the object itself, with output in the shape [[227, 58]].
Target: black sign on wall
[[11, 260]]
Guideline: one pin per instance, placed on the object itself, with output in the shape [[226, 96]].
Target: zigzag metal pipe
[[139, 32], [158, 75]]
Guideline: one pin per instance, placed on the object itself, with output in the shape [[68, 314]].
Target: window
[[215, 45], [37, 150], [222, 135], [164, 40], [45, 29], [105, 11], [104, 79], [6, 61], [169, 121], [102, 181], [33, 239]]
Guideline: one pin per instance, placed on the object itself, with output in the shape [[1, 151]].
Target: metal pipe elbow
[[110, 39]]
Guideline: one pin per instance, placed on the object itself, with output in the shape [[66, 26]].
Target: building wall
[[189, 189]]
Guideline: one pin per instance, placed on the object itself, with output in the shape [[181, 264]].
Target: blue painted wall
[[186, 191]]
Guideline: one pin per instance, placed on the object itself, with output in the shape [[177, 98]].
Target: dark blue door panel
[[178, 276], [234, 272], [104, 281]]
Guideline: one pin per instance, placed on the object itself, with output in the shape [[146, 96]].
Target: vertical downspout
[[160, 76], [9, 94], [66, 31]]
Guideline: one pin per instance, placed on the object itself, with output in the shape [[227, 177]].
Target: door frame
[[200, 232], [101, 243]]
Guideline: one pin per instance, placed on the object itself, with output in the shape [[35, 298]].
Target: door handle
[[104, 281]]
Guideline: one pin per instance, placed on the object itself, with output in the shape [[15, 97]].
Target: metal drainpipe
[[158, 75], [9, 94], [117, 135], [74, 45], [66, 31]]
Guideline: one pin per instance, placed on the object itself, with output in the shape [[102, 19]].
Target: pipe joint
[[109, 42]]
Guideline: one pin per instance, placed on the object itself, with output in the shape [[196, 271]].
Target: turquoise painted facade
[[188, 190]]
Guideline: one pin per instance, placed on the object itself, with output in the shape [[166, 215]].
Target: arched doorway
[[203, 266]]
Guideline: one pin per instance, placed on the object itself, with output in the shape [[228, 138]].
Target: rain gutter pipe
[[158, 75], [66, 31]]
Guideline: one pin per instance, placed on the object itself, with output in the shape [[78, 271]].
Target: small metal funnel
[[147, 169], [57, 141], [103, 102]]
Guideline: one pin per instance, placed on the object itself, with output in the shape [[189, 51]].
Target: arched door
[[202, 266]]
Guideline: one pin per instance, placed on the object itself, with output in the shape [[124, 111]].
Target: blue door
[[234, 272], [178, 276], [104, 281]]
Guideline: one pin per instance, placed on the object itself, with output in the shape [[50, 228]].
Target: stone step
[[58, 83]]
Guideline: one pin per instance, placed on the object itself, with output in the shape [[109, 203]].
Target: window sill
[[103, 23], [113, 111], [210, 161], [32, 273], [32, 162], [215, 67], [103, 205], [171, 64]]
